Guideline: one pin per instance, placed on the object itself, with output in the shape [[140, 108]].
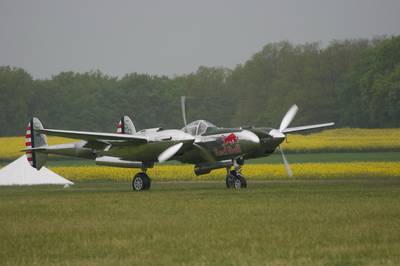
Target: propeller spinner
[[279, 134]]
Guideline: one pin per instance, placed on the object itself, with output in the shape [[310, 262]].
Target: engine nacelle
[[117, 162], [202, 169]]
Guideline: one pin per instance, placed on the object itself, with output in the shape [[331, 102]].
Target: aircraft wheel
[[236, 180], [148, 185], [141, 182], [242, 180], [230, 181], [239, 181], [237, 184]]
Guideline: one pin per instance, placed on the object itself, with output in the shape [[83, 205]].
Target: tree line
[[355, 83]]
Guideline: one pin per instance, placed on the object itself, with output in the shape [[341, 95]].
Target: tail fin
[[35, 140], [126, 126]]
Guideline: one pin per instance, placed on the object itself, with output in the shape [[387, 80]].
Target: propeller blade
[[297, 129], [183, 109], [287, 119], [168, 153], [286, 163], [204, 153]]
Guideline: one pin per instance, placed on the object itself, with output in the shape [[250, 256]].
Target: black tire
[[141, 182], [237, 183], [240, 177], [242, 180], [230, 180], [148, 183]]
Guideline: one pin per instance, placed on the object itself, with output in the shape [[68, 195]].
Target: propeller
[[168, 153], [286, 163], [183, 109], [280, 134], [287, 119]]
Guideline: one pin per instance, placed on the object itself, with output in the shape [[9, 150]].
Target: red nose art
[[230, 139]]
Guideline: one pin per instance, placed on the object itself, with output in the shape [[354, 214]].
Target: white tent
[[20, 172]]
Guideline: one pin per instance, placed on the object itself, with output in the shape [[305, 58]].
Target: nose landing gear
[[234, 178]]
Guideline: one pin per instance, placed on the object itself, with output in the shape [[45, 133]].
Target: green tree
[[15, 93]]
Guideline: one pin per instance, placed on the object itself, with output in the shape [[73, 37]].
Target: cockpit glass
[[201, 128], [197, 127]]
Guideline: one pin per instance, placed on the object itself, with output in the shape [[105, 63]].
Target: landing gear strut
[[141, 181], [234, 178]]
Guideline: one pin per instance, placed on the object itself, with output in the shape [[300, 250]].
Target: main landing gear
[[234, 178], [141, 181]]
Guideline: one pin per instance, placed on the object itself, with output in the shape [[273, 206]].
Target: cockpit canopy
[[198, 127]]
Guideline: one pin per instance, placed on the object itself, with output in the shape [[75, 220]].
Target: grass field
[[341, 208], [353, 222]]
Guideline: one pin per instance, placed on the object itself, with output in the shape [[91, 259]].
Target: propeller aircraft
[[201, 143], [215, 147]]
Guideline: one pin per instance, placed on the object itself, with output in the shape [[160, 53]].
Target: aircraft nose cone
[[276, 134]]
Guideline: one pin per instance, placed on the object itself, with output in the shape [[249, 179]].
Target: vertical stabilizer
[[126, 126], [34, 139]]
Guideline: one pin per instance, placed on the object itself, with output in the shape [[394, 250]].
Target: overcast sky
[[174, 36]]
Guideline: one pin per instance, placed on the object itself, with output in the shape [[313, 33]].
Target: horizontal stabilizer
[[34, 149], [302, 128]]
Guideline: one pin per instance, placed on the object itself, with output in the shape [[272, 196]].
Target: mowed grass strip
[[269, 223], [253, 171]]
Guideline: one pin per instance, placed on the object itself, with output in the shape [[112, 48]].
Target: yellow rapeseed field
[[10, 147], [253, 172], [345, 139]]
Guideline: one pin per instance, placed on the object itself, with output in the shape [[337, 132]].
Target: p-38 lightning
[[201, 143]]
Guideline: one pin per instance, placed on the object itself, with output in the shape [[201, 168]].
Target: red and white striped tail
[[33, 141], [29, 143], [125, 126], [120, 127]]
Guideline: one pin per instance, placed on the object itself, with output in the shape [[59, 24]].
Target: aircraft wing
[[95, 136], [302, 128]]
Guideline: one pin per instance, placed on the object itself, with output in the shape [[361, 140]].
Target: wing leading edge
[[94, 136]]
